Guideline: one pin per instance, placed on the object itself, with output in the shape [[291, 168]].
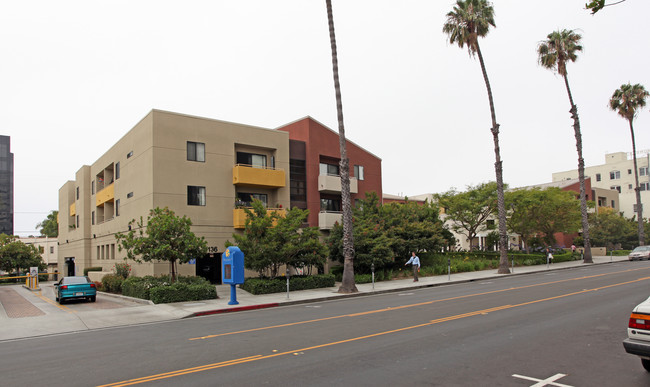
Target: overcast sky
[[75, 76]]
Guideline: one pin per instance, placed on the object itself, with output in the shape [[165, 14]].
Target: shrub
[[94, 268], [112, 283], [122, 269], [279, 284], [179, 292]]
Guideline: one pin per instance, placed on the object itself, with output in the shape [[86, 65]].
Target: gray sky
[[75, 76]]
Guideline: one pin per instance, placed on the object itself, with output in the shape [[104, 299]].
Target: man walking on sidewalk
[[415, 262]]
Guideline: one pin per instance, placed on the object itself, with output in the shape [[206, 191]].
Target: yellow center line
[[390, 309], [64, 308], [353, 339]]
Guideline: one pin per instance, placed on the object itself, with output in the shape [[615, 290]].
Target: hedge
[[179, 292], [93, 268], [279, 284], [112, 283]]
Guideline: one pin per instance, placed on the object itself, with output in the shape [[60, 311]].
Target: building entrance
[[209, 267], [69, 269]]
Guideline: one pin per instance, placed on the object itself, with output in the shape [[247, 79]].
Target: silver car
[[641, 252]]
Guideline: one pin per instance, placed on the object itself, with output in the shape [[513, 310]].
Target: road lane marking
[[63, 308], [353, 339], [394, 308], [544, 382]]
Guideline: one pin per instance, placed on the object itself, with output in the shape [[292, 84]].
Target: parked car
[[75, 287], [641, 252], [638, 333]]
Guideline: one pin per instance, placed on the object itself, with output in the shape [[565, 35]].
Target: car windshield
[[641, 248], [75, 280]]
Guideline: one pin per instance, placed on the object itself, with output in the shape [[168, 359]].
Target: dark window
[[613, 203], [329, 169], [77, 223], [92, 217], [195, 196], [77, 193], [489, 224], [128, 155], [629, 171], [298, 182], [92, 187], [195, 151], [615, 175], [598, 177], [129, 195], [117, 170], [117, 207], [251, 159], [51, 249], [245, 199], [330, 205]]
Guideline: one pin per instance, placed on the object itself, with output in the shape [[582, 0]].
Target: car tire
[[646, 364], [93, 298], [60, 301]]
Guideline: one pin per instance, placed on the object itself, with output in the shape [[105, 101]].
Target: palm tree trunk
[[498, 167], [347, 283], [581, 174], [639, 206]]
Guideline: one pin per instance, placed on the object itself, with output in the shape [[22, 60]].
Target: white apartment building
[[48, 247], [618, 174]]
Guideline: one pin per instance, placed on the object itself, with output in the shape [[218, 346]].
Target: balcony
[[326, 219], [331, 184], [251, 176], [73, 209], [239, 216], [105, 195]]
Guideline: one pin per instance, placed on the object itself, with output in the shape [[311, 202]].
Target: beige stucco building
[[616, 174], [48, 247], [198, 167]]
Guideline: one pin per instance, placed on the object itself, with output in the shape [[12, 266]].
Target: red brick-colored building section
[[566, 240], [322, 144]]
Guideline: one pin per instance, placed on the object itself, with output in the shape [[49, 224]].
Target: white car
[[641, 252], [638, 333]]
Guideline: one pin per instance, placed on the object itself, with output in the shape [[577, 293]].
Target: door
[[209, 267]]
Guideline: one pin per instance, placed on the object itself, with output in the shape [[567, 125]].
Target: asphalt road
[[564, 327]]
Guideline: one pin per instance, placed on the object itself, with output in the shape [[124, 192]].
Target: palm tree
[[469, 20], [626, 100], [347, 283], [553, 53]]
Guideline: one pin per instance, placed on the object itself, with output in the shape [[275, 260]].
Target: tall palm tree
[[626, 101], [347, 283], [469, 20], [553, 54]]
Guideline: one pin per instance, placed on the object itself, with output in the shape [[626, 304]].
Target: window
[[602, 201], [195, 151], [615, 175], [77, 193], [92, 217], [329, 169], [117, 170], [330, 205], [92, 187], [616, 187], [252, 159], [644, 187], [117, 207], [629, 171], [629, 186], [489, 224], [358, 172], [77, 223], [51, 249], [634, 208], [98, 256], [613, 204], [112, 250], [245, 199], [643, 171], [195, 196], [598, 177], [129, 195], [128, 155]]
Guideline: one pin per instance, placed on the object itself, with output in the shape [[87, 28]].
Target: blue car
[[75, 287]]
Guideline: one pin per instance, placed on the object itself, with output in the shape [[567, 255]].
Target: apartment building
[[48, 247], [315, 181], [6, 186], [203, 168], [616, 174]]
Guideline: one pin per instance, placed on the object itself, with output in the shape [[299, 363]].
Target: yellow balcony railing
[[73, 209], [239, 216], [105, 195], [258, 176]]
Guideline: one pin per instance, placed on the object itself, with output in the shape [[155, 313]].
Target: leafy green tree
[[164, 237], [469, 20], [553, 54], [50, 225], [347, 284], [270, 241], [387, 233], [626, 101], [16, 255], [611, 230], [469, 210]]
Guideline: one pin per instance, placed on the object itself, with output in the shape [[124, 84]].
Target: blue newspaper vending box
[[232, 270]]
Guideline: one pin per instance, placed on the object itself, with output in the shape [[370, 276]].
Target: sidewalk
[[49, 319]]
